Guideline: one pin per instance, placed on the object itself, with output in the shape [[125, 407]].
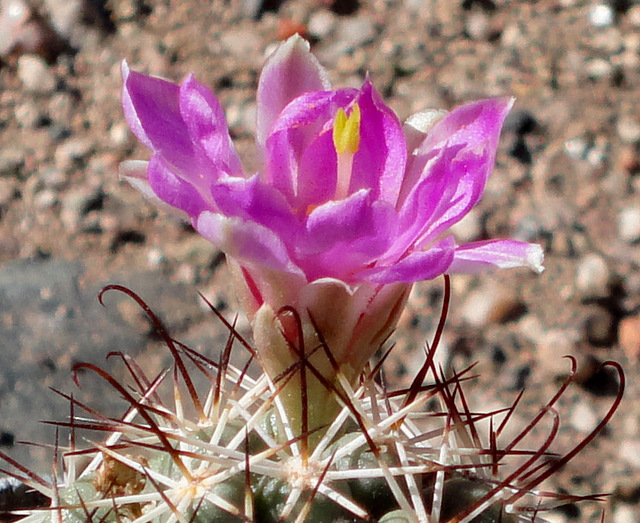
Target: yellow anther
[[346, 131]]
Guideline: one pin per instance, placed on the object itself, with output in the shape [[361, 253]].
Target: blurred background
[[567, 176]]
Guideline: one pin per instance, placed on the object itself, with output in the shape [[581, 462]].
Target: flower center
[[346, 140]]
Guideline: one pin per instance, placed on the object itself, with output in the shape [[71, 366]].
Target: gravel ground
[[567, 176]]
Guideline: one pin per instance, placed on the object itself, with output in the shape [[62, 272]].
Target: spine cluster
[[228, 453]]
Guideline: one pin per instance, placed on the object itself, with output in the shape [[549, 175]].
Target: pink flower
[[349, 208]]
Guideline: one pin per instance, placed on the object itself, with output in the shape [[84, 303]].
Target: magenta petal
[[139, 96], [206, 125], [503, 254], [465, 182], [417, 126], [475, 125], [300, 157], [317, 172], [172, 189], [380, 160], [430, 197], [252, 200], [247, 242], [417, 266], [345, 222], [135, 173], [151, 108], [344, 236], [288, 73], [446, 192]]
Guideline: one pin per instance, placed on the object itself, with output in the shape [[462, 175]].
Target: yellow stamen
[[346, 131], [346, 140]]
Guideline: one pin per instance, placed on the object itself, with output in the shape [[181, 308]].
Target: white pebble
[[35, 75], [72, 150], [583, 418], [624, 514], [601, 15], [155, 258], [477, 308], [592, 275], [629, 452], [628, 130], [598, 68], [321, 24], [629, 224], [576, 148]]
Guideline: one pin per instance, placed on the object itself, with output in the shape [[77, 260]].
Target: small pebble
[[628, 130], [597, 154], [61, 107], [629, 336], [75, 204], [629, 452], [478, 26], [53, 178], [625, 513], [45, 199], [629, 160], [35, 74], [629, 224], [592, 275], [28, 114], [22, 31], [598, 68], [355, 32], [119, 133], [633, 16], [601, 15], [600, 327], [321, 24], [583, 417], [8, 187], [155, 258], [490, 305], [576, 148], [240, 42], [65, 14], [520, 121], [287, 27], [72, 151], [11, 161]]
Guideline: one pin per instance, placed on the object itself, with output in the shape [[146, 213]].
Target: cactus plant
[[349, 209], [228, 454]]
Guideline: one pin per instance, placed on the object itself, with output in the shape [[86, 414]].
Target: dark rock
[[15, 495], [345, 7], [600, 327], [486, 5], [520, 151], [7, 439], [257, 8], [521, 122]]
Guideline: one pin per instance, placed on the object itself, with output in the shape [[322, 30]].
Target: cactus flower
[[348, 209]]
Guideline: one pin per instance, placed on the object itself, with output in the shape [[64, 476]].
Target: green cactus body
[[383, 459]]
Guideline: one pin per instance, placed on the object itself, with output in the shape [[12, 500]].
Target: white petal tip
[[535, 258]]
